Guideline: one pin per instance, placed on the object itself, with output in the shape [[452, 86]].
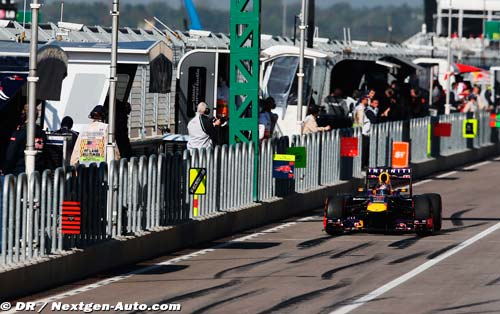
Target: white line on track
[[411, 274], [497, 159], [484, 163], [444, 175], [173, 261], [422, 182]]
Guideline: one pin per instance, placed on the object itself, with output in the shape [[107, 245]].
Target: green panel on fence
[[492, 30], [300, 154]]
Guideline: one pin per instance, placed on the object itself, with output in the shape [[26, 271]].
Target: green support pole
[[244, 77]]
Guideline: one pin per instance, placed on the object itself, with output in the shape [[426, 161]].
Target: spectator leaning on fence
[[370, 118], [202, 132], [359, 111], [471, 105], [310, 125]]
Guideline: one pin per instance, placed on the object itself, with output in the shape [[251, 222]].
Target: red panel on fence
[[494, 120], [442, 129], [71, 217], [349, 147]]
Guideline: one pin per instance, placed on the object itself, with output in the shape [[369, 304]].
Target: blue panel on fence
[[283, 169]]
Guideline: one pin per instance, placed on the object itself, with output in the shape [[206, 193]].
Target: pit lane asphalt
[[299, 269]]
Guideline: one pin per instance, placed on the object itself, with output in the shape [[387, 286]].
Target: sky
[[225, 3]]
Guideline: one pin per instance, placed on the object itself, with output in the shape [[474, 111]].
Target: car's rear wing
[[396, 173], [399, 177]]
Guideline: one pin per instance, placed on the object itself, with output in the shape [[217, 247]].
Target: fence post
[[8, 207]]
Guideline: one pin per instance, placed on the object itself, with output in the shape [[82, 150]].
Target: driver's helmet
[[382, 189]]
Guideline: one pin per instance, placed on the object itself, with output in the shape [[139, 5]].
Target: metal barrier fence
[[381, 138], [419, 139], [142, 194], [484, 130], [456, 142], [325, 166], [229, 177], [31, 216]]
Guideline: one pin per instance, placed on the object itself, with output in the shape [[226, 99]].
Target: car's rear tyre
[[334, 212], [422, 212], [437, 210]]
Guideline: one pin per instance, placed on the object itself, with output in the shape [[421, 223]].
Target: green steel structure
[[244, 76]]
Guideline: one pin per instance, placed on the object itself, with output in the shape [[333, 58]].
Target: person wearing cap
[[55, 144], [201, 129], [66, 129], [90, 147], [310, 125]]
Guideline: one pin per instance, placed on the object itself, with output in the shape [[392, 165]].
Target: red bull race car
[[386, 202]]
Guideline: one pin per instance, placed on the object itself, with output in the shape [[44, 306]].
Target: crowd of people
[[362, 109], [395, 103]]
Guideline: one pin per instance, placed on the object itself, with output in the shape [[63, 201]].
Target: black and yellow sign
[[470, 128], [197, 181]]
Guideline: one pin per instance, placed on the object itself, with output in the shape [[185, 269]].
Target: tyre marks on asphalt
[[468, 306], [441, 251], [245, 267], [456, 218], [310, 257], [405, 243], [194, 294], [351, 250], [205, 308], [313, 243], [295, 301], [494, 282], [457, 229], [407, 258], [329, 274]]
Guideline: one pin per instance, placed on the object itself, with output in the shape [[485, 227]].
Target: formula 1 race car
[[386, 202]]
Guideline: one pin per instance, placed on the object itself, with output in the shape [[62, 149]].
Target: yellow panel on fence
[[470, 128]]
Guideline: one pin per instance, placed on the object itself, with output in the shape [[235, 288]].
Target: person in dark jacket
[[55, 144], [123, 110], [122, 139], [66, 129], [14, 159]]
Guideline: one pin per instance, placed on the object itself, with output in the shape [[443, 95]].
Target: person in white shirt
[[90, 147], [202, 132], [359, 111]]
